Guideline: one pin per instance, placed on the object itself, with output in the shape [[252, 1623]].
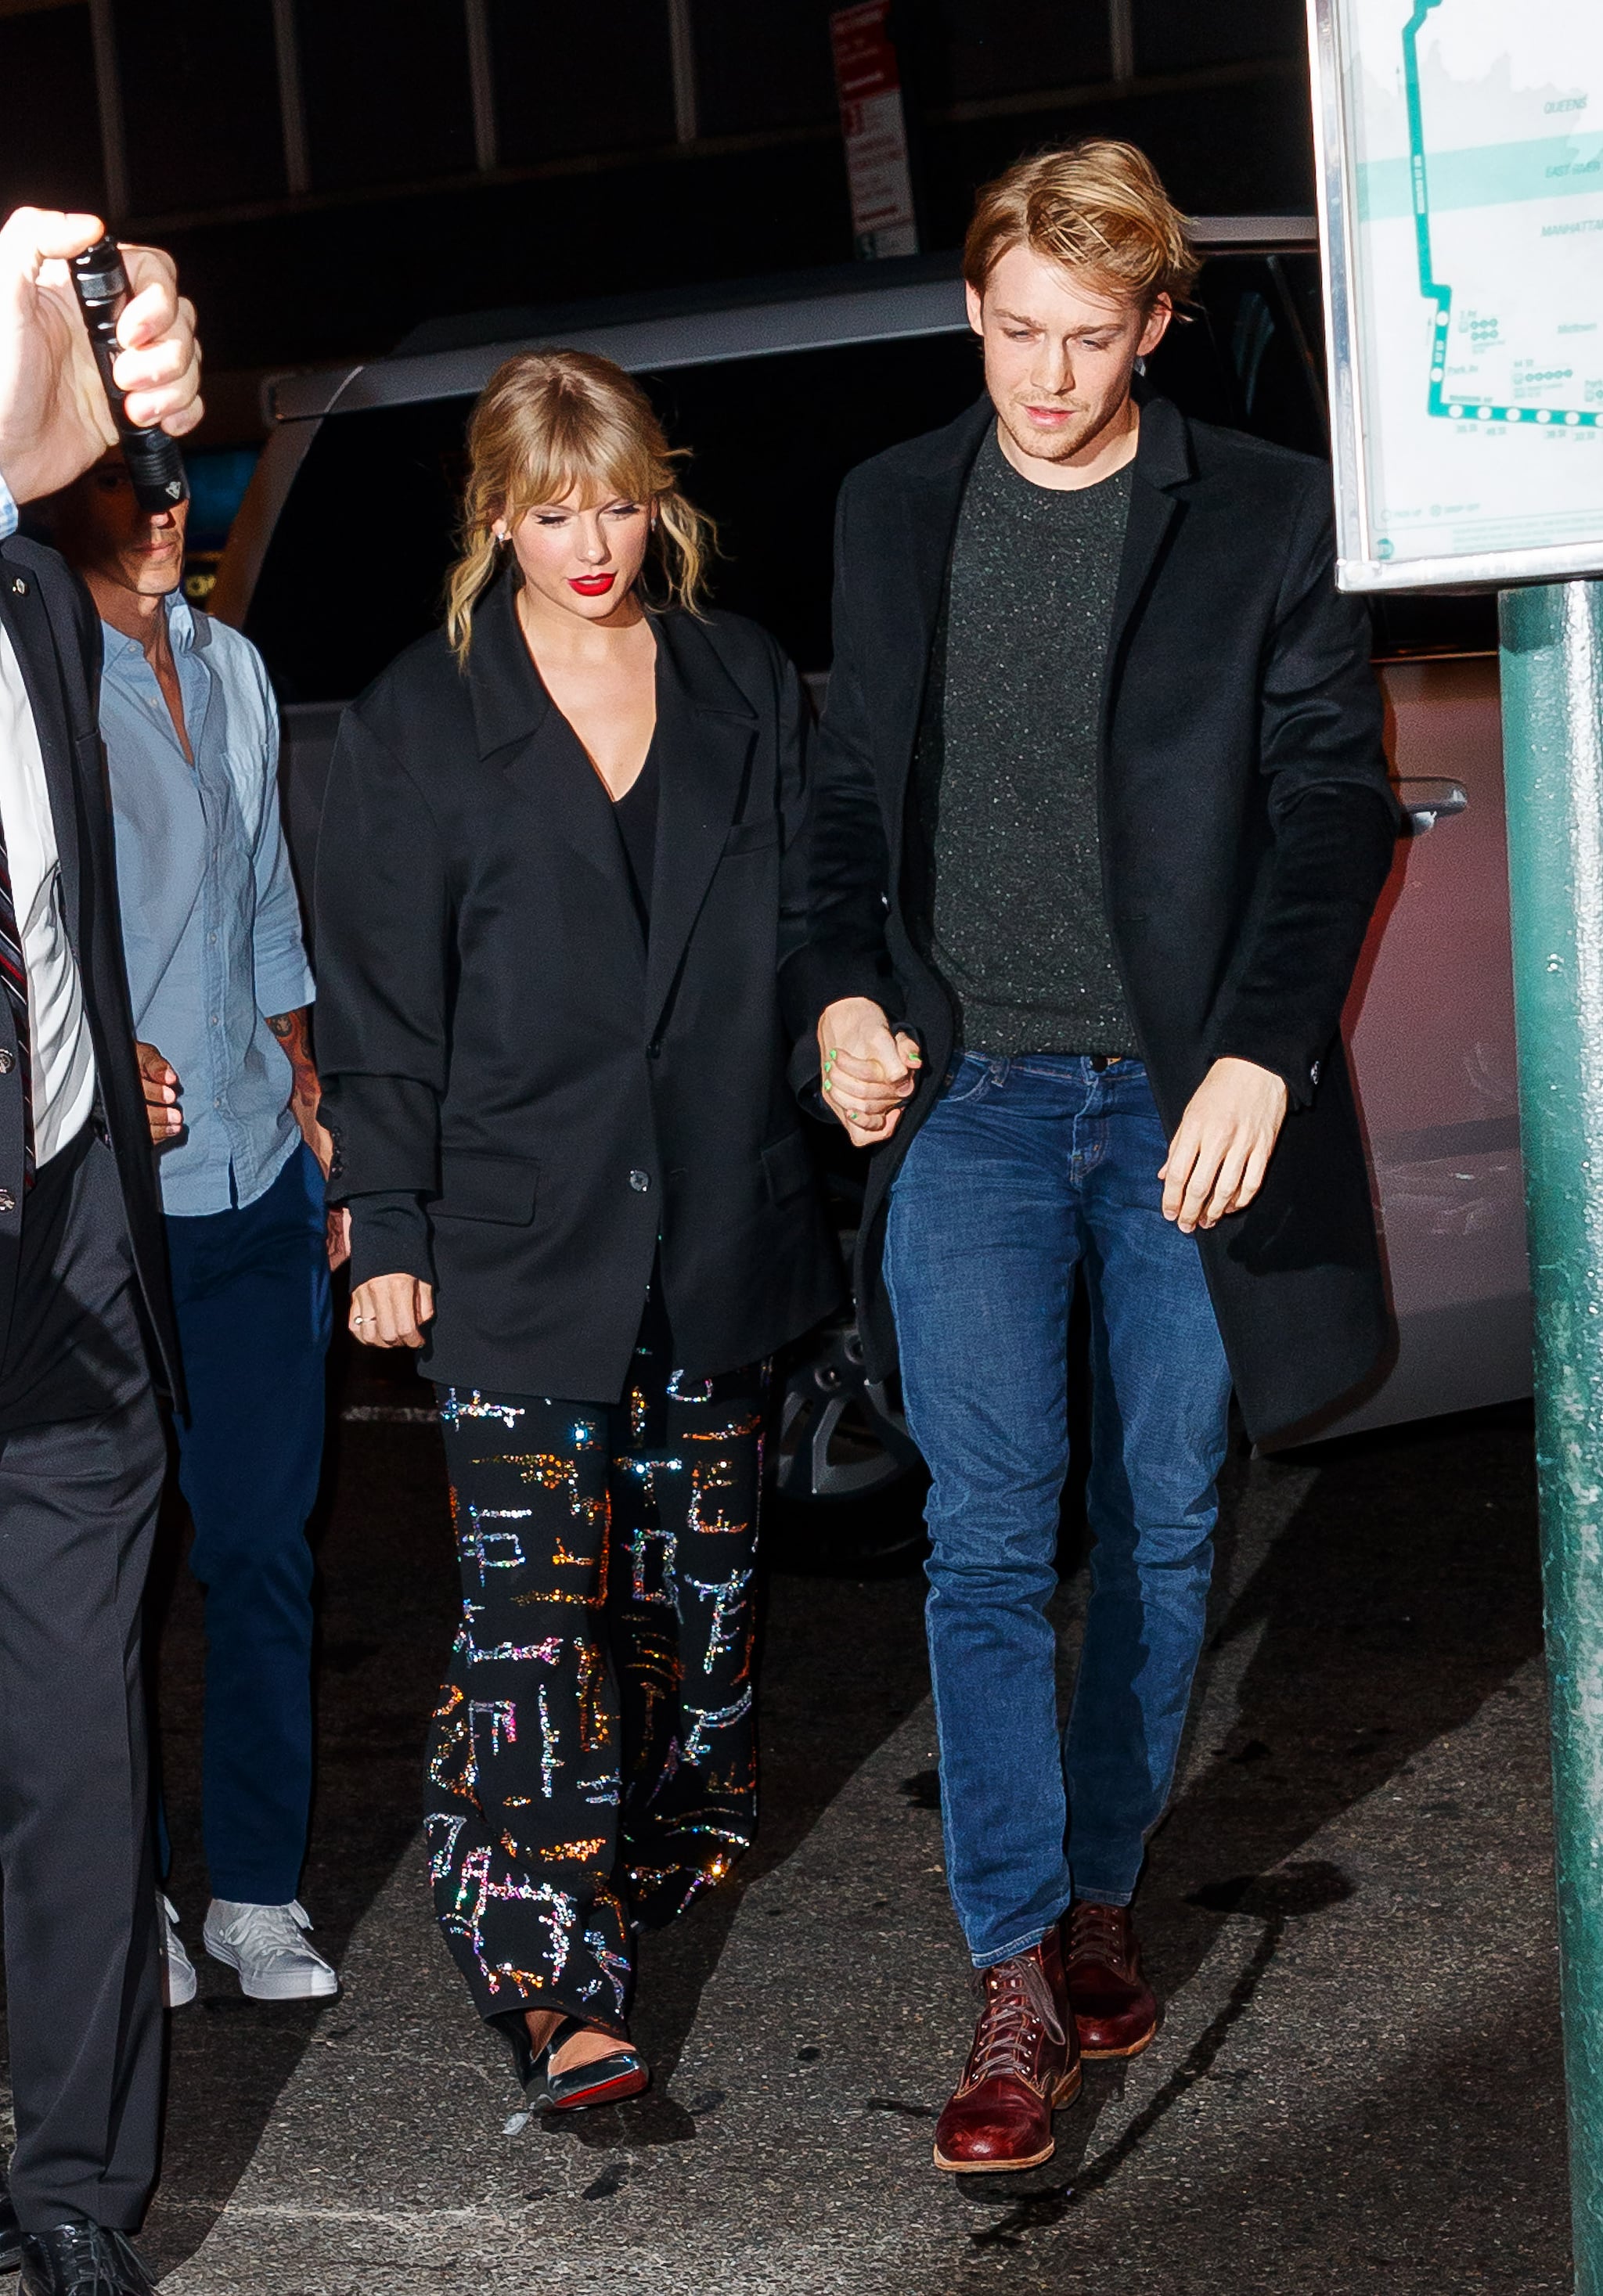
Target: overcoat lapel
[[706, 729], [932, 499], [1163, 462], [22, 610], [519, 728]]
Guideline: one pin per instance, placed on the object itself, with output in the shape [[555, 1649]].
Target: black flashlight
[[155, 465]]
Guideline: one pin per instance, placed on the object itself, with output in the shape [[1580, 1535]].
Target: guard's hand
[[316, 1136], [390, 1311], [161, 1091], [1218, 1158], [867, 1073], [337, 1236], [54, 421]]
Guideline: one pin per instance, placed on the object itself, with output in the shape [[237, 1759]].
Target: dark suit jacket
[[496, 1035], [55, 631], [1247, 827]]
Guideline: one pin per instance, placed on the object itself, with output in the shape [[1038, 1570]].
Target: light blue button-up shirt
[[210, 922]]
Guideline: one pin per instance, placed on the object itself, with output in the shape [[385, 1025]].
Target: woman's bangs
[[601, 467]]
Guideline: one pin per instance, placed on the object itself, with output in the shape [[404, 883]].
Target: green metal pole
[[1552, 683]]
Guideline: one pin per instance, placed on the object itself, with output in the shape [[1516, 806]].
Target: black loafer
[[81, 2260], [10, 2233], [605, 2080]]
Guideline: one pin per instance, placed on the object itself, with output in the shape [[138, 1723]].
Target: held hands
[[868, 1073], [1218, 1158], [161, 1091], [54, 422], [390, 1311]]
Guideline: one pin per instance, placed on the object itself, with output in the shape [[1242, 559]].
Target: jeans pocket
[[967, 1081]]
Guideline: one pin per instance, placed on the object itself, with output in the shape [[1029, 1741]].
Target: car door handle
[[1427, 802]]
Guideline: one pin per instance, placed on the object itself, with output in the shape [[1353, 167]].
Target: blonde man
[[1101, 815]]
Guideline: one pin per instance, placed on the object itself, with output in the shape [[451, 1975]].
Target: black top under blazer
[[498, 1038], [55, 632], [1247, 827]]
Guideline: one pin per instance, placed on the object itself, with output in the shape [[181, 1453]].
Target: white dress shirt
[[64, 1059]]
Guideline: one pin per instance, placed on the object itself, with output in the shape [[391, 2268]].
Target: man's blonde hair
[[549, 424], [1098, 209]]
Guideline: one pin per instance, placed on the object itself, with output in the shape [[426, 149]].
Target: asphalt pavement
[[1347, 1914]]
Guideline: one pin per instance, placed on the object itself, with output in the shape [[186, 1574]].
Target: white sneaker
[[179, 1984], [267, 1946]]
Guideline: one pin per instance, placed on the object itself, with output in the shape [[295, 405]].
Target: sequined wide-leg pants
[[592, 1761]]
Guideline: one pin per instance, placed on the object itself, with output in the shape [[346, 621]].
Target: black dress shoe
[[605, 2080], [81, 2260], [10, 2233]]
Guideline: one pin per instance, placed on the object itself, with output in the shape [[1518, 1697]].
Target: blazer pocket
[[787, 1166], [480, 1187], [753, 836]]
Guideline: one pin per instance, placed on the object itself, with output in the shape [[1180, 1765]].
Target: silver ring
[[358, 1319]]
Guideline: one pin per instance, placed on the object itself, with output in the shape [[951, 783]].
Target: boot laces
[[1099, 1933], [1017, 1999]]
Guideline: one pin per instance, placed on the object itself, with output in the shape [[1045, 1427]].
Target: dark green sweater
[[1008, 765]]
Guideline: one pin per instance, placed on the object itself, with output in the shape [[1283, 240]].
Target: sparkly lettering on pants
[[592, 1760]]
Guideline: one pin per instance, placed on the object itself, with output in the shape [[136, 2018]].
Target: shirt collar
[[181, 631]]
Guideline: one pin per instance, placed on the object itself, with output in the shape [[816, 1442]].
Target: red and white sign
[[867, 77]]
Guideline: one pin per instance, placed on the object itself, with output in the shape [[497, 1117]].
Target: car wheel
[[840, 1435]]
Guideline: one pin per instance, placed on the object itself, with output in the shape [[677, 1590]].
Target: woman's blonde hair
[[547, 424], [1096, 207]]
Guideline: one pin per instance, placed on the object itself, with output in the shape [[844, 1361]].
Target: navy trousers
[[250, 1286]]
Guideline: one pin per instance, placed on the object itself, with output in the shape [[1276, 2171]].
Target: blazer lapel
[[519, 726], [23, 611], [706, 730]]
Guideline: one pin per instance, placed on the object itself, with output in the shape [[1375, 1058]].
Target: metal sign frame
[[1358, 565]]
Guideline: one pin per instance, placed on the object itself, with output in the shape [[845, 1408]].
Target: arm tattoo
[[290, 1028]]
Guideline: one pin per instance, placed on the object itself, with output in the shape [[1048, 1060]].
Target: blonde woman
[[560, 870]]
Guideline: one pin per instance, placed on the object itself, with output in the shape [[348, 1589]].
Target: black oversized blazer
[[55, 632], [496, 1035], [1247, 826]]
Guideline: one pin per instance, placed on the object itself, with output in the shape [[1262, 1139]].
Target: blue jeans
[[251, 1287], [1025, 1170]]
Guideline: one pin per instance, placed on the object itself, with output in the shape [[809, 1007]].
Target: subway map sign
[[1461, 221]]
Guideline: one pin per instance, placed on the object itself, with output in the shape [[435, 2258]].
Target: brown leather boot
[[1024, 2063], [1115, 2010]]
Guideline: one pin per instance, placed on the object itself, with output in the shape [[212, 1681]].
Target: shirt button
[[639, 1182], [8, 1202], [7, 1061], [214, 1020]]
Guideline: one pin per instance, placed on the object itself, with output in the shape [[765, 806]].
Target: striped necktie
[[14, 974]]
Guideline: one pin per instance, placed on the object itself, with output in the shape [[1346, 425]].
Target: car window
[[354, 572], [772, 439], [1249, 353]]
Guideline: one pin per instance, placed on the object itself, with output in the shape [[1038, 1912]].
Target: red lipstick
[[591, 586]]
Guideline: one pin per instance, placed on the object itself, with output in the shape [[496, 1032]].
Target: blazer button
[[639, 1182], [7, 1061], [8, 1202]]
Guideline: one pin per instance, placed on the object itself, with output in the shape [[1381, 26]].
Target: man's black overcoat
[[1247, 827], [496, 1035], [55, 632]]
